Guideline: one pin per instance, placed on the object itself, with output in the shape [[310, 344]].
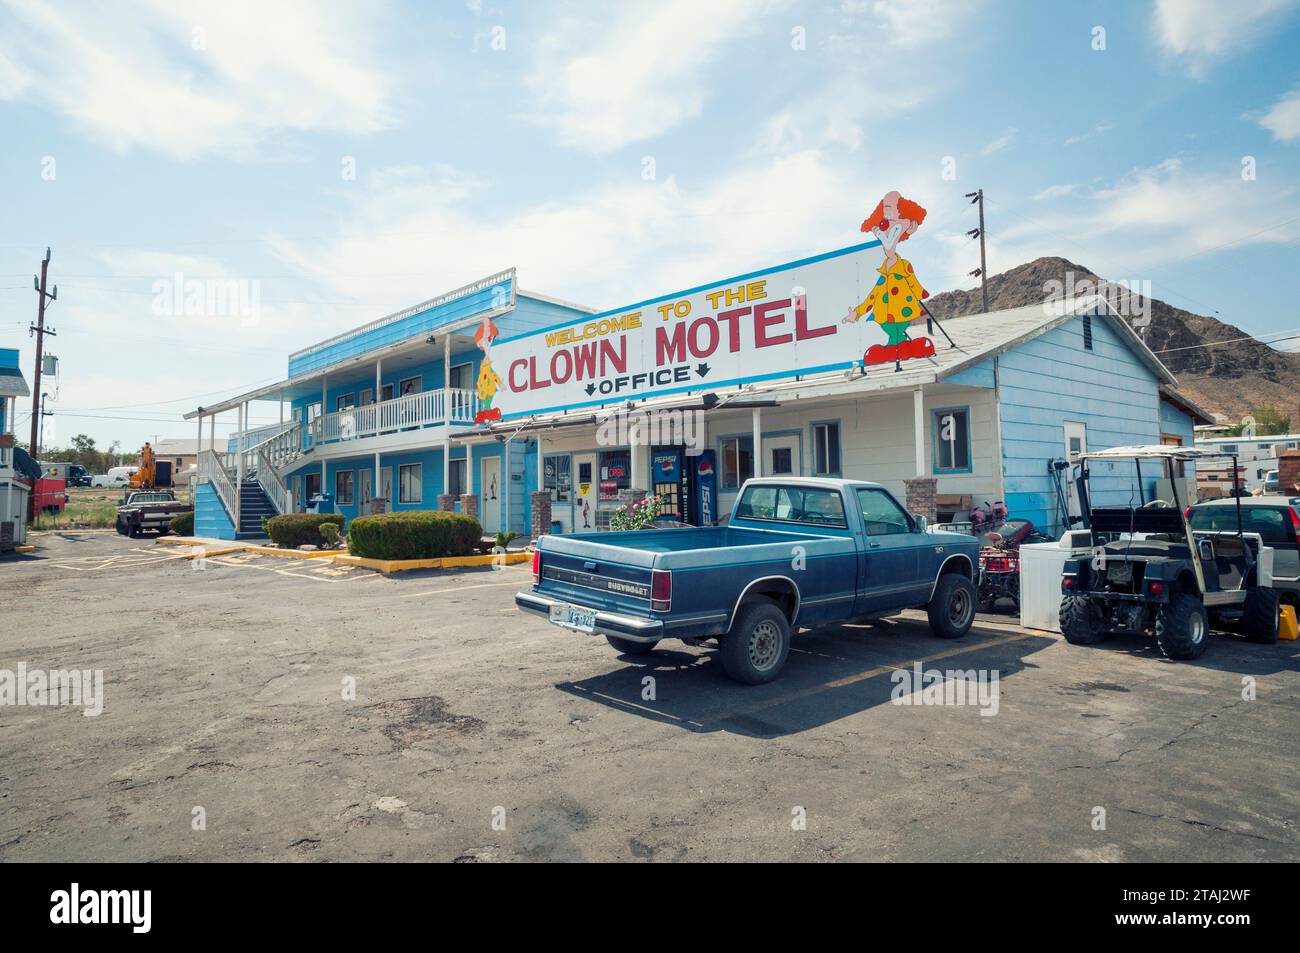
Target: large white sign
[[794, 319]]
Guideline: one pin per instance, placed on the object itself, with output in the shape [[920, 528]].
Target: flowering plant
[[636, 515]]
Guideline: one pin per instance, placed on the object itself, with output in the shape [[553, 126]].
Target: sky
[[313, 166]]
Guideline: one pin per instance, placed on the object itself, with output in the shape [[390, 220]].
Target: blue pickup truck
[[795, 552]]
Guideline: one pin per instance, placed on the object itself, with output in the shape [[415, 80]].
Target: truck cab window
[[882, 516]]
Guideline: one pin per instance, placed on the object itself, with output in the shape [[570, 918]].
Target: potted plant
[[636, 515]]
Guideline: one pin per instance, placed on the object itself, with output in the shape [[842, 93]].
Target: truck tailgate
[[586, 577]]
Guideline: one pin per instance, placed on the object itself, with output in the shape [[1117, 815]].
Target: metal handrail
[[211, 470], [273, 485]]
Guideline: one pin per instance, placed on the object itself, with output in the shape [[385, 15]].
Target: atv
[[1141, 569]]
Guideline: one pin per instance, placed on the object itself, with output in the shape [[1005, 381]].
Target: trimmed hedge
[[182, 524], [296, 529], [414, 534]]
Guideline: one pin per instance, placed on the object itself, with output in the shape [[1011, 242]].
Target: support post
[[376, 487], [758, 441], [446, 414], [918, 426], [239, 467]]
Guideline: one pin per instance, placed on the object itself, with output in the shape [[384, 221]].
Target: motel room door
[[489, 508], [365, 489], [585, 493]]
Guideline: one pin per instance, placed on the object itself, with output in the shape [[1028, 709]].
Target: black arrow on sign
[[702, 369], [591, 389]]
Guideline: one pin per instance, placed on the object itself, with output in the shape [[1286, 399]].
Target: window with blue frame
[[344, 486], [950, 428]]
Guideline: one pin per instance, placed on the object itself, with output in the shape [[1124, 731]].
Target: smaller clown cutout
[[895, 300], [488, 380]]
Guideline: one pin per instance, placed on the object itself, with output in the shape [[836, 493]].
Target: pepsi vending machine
[[686, 485]]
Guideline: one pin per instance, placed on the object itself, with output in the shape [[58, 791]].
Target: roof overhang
[[12, 383], [1181, 401]]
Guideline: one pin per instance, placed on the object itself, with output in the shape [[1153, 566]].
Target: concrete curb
[[231, 546], [445, 562]]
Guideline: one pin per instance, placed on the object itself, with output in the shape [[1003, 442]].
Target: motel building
[[540, 416]]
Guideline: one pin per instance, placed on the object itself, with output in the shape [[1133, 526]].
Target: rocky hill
[[1229, 379]]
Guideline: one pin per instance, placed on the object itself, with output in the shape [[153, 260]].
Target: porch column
[[446, 414], [281, 408], [505, 486], [198, 447], [541, 463], [379, 379], [239, 466], [637, 459], [758, 441], [918, 426], [212, 432]]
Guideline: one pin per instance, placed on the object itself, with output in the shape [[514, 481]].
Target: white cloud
[[187, 78], [1283, 119], [999, 144], [13, 78], [603, 86], [1056, 192], [912, 23], [1199, 30]]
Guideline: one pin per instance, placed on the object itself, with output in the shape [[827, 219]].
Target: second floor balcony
[[410, 412]]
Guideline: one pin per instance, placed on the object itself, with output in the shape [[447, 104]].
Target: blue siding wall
[[1053, 378], [1176, 423], [210, 518]]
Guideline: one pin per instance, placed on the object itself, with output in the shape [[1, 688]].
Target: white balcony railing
[[403, 413]]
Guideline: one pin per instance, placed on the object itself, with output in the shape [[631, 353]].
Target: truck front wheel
[[755, 649], [952, 607], [1182, 627], [628, 647]]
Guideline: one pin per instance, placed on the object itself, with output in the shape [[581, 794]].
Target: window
[[558, 473], [462, 376], [344, 402], [457, 485], [410, 483], [386, 392], [344, 485], [313, 486], [951, 431], [1087, 332], [737, 461], [411, 385], [826, 449], [615, 474], [367, 396], [788, 504], [1228, 448], [782, 462], [882, 515], [1271, 522]]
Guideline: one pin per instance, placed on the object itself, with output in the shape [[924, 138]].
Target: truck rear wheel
[[1182, 627], [628, 647], [755, 649], [1260, 619], [952, 607], [1081, 621]]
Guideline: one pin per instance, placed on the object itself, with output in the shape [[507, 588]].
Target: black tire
[[133, 530], [1081, 621], [755, 649], [1182, 627], [952, 607], [121, 528], [628, 647], [1260, 615]]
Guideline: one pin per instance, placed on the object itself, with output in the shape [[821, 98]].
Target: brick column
[[541, 522], [1288, 471], [469, 504], [920, 497], [447, 502]]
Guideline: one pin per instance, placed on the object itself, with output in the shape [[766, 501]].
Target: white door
[[585, 490], [781, 456], [489, 506], [1076, 443], [386, 481]]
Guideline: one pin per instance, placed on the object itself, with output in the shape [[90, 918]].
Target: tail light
[[537, 566], [1156, 587], [1187, 513], [661, 590], [1068, 583], [1295, 519]]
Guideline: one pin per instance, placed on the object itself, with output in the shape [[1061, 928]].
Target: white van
[[117, 476]]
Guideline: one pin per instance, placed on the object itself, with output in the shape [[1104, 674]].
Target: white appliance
[[1040, 582]]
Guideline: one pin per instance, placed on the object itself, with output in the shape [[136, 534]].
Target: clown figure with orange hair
[[488, 379], [895, 300]]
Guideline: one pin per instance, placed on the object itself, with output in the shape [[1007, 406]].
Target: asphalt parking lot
[[475, 733]]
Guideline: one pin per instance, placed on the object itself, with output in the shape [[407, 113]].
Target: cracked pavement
[[478, 734]]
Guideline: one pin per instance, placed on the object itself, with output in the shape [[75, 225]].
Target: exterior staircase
[[256, 505]]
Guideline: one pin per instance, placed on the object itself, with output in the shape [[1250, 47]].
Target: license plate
[[1120, 572], [574, 617]]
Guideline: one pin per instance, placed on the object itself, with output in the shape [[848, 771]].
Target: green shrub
[[330, 533], [182, 524], [297, 529], [413, 534]]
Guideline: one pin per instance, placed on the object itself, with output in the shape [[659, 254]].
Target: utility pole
[[982, 272], [40, 331]]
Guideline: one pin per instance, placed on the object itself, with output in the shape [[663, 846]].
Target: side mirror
[[921, 522]]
